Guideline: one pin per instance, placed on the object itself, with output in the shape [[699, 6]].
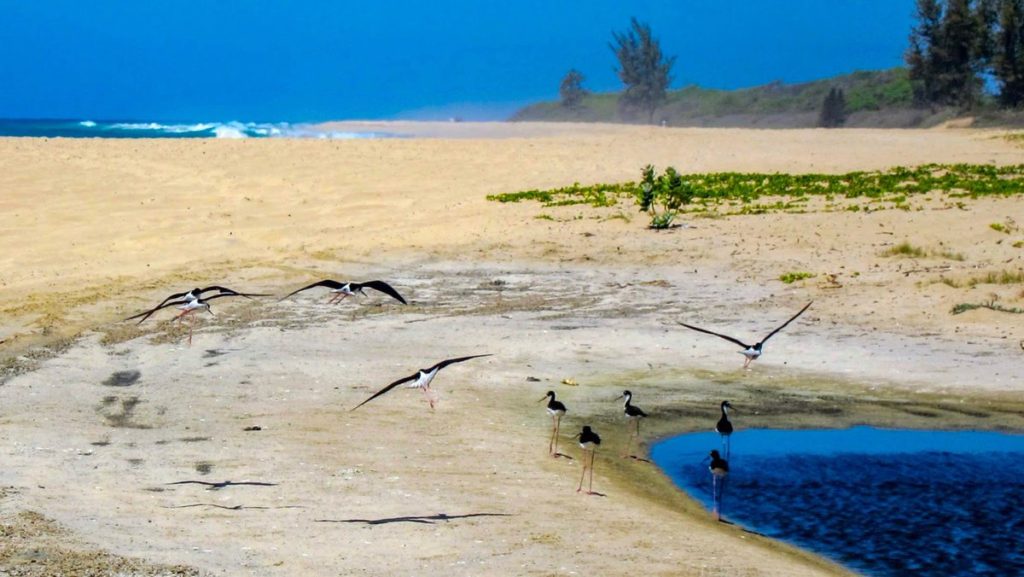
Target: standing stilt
[[724, 428], [589, 442], [634, 414], [556, 410]]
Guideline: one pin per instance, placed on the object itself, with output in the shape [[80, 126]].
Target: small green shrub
[[905, 249], [999, 227], [791, 277]]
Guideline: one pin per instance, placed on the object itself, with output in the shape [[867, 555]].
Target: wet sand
[[95, 429]]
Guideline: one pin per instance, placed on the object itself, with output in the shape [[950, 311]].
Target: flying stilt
[[341, 290], [420, 379], [557, 410], [719, 468], [751, 352], [724, 428], [189, 306], [589, 442], [634, 414], [191, 295]]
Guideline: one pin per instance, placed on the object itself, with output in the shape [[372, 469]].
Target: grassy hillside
[[873, 98]]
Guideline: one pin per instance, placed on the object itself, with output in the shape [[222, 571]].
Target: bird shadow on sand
[[422, 519], [233, 507], [562, 456], [211, 486], [640, 459], [594, 494]]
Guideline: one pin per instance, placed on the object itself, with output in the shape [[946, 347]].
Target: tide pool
[[882, 502]]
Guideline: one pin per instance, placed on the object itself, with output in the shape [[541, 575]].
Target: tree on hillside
[[961, 47], [948, 49], [833, 109], [921, 57], [642, 68], [571, 90], [1008, 53]]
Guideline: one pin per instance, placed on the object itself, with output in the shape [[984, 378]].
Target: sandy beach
[[127, 451]]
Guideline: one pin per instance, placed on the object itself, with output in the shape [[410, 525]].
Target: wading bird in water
[[191, 295], [420, 379], [751, 352], [557, 410], [589, 442], [724, 428], [634, 414], [341, 290], [719, 468]]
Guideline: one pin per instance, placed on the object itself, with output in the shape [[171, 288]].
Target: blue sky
[[304, 60]]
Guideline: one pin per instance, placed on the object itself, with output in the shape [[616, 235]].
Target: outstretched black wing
[[326, 282], [231, 292], [719, 335], [146, 314], [786, 323], [383, 287], [411, 377], [447, 362]]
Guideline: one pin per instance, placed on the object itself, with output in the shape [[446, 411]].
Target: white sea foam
[[228, 131], [231, 129]]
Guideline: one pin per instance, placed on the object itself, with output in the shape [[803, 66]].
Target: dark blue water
[[142, 129], [882, 502]]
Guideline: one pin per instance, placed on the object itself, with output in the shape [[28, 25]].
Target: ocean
[[882, 502], [143, 129]]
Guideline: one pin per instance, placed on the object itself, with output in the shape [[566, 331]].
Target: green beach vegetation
[[665, 196]]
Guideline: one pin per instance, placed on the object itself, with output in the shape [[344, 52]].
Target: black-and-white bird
[[589, 442], [753, 351], [634, 414], [341, 290], [420, 379], [188, 306], [194, 294], [557, 410], [719, 468], [724, 427]]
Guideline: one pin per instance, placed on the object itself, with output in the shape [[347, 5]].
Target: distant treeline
[[871, 98], [954, 47]]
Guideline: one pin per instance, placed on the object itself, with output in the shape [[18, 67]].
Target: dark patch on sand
[[122, 379]]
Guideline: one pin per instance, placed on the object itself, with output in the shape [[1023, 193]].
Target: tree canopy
[[643, 69]]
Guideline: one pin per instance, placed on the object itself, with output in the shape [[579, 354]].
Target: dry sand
[[93, 430]]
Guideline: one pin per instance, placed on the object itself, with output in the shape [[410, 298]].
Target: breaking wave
[[135, 129]]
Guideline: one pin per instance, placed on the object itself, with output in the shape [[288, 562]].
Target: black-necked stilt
[[589, 442], [634, 414], [194, 294], [751, 352], [420, 379], [724, 427], [719, 468], [187, 306], [557, 410], [341, 290]]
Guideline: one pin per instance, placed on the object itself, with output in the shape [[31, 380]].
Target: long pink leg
[[429, 396], [337, 298], [554, 435], [583, 474], [590, 486]]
